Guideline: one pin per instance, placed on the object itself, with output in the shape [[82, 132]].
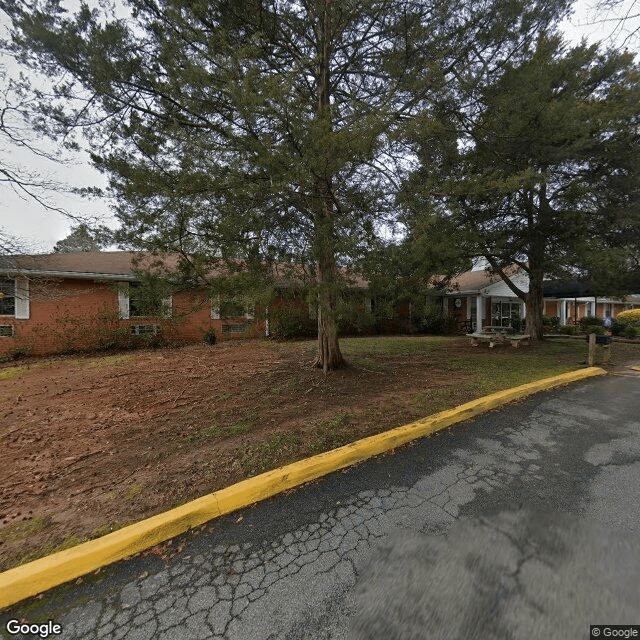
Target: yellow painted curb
[[38, 576]]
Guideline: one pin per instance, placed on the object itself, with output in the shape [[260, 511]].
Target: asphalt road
[[520, 524]]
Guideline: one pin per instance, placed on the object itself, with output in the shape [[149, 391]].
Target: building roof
[[472, 281], [475, 280], [577, 289], [112, 265], [122, 265]]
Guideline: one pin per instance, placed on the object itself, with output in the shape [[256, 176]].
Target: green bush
[[551, 321], [588, 322], [597, 329], [210, 336], [627, 324], [568, 329], [435, 321], [285, 324]]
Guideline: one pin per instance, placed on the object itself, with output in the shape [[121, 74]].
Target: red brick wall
[[460, 313], [59, 315], [76, 315]]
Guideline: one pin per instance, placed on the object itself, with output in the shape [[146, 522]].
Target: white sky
[[40, 229]]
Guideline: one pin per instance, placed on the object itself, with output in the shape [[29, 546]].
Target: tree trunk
[[329, 356], [537, 246], [534, 305]]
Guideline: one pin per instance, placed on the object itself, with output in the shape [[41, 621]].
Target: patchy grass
[[133, 491], [76, 433], [488, 374], [331, 433], [22, 530], [269, 454], [13, 372], [10, 373], [390, 346]]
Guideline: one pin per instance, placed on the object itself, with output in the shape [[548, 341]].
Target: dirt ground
[[93, 443]]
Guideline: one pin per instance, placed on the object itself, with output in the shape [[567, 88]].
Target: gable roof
[[476, 280]]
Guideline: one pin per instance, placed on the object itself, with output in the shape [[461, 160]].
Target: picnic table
[[498, 337]]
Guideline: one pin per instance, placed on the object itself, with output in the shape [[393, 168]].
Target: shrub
[[568, 329], [16, 353], [210, 336], [627, 324], [153, 340], [599, 330], [357, 322], [551, 321], [434, 320], [628, 316], [588, 322], [285, 324]]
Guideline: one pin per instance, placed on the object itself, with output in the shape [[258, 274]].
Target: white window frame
[[215, 308], [21, 301], [124, 303], [144, 329]]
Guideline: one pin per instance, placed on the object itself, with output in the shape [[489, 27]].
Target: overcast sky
[[40, 229]]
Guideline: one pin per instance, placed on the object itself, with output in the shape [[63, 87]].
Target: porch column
[[563, 311], [479, 313]]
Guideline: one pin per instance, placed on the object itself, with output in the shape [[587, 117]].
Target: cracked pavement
[[521, 523]]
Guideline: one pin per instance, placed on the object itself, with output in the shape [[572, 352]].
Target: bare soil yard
[[93, 443]]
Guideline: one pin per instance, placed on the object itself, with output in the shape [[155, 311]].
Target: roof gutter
[[81, 275]]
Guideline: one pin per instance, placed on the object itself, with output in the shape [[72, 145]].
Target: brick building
[[75, 301], [479, 298], [67, 302]]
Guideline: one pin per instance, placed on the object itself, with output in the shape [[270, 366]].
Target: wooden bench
[[497, 338]]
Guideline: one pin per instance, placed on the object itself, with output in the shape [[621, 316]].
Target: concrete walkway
[[522, 523]]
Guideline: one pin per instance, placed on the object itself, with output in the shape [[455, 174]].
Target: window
[[231, 309], [7, 297], [236, 328], [144, 329], [503, 313], [146, 301], [6, 331]]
